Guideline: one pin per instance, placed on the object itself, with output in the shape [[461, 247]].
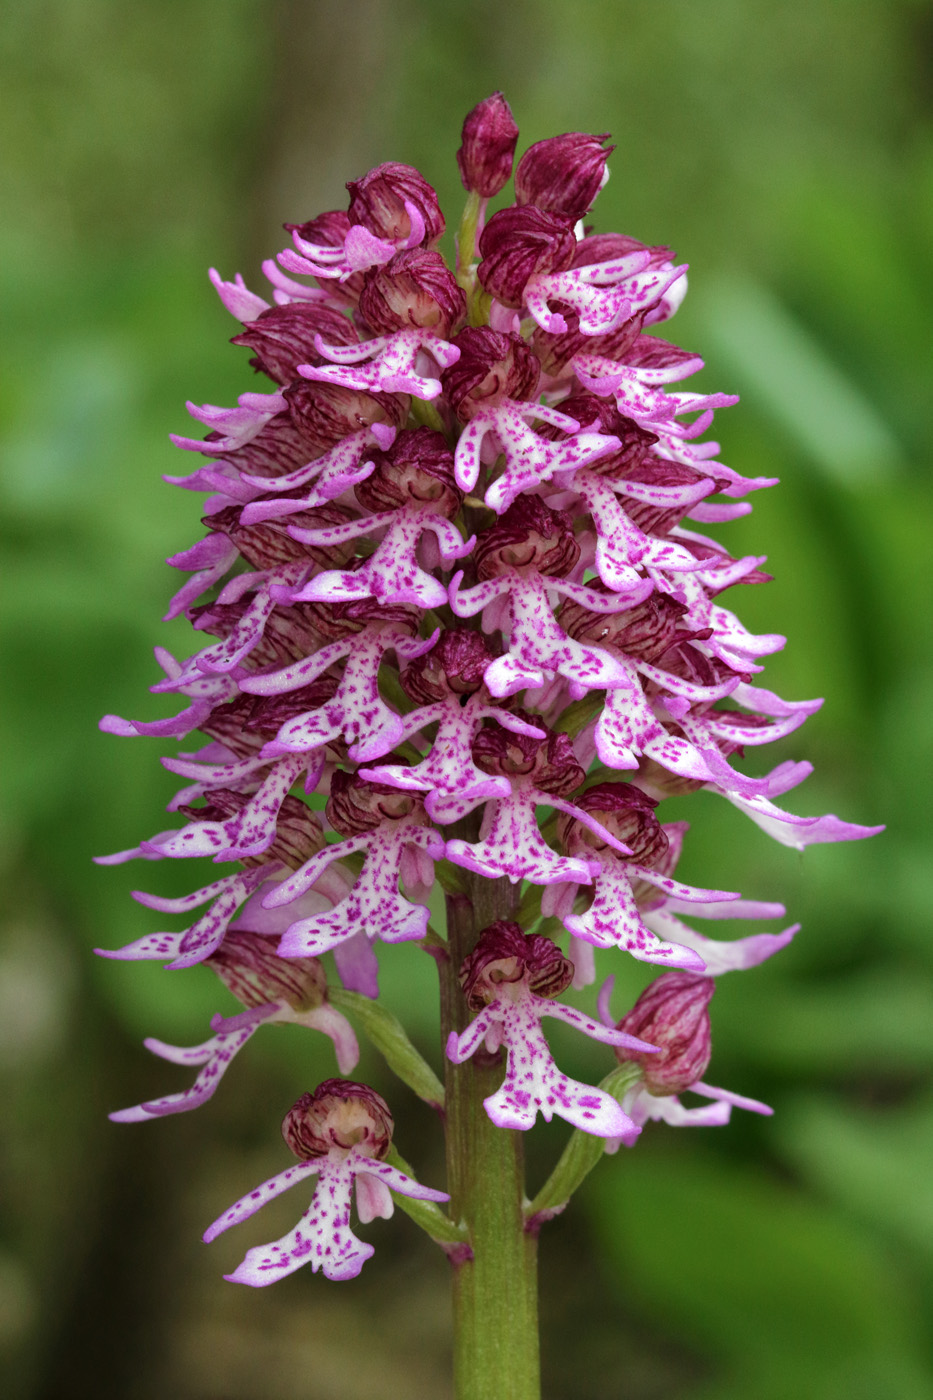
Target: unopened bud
[[563, 174], [415, 288], [673, 1014], [486, 155], [378, 200], [519, 243], [505, 955], [493, 365], [340, 1114], [528, 535]]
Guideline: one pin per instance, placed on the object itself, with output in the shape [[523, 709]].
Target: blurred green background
[[786, 152]]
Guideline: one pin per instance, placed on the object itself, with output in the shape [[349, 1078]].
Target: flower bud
[[550, 763], [504, 954], [252, 970], [325, 413], [644, 632], [627, 813], [356, 805], [418, 469], [489, 136], [563, 174], [415, 288], [455, 665], [528, 534], [268, 543], [340, 1114], [493, 365], [283, 337], [378, 200], [673, 1014], [516, 245]]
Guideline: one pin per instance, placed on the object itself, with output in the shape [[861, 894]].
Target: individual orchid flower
[[327, 476], [542, 770], [191, 945], [385, 823], [491, 389], [247, 826], [272, 989], [448, 681], [523, 557], [414, 479], [340, 1133], [636, 902], [529, 258], [413, 304], [204, 691], [673, 1010], [613, 918], [510, 979], [393, 207], [357, 711]]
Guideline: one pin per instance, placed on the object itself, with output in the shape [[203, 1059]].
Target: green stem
[[495, 1283]]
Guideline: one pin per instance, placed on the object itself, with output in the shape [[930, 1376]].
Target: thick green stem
[[495, 1281]]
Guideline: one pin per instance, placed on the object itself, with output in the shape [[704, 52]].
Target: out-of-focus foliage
[[786, 151]]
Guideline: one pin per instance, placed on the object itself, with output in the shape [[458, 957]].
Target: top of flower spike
[[488, 146]]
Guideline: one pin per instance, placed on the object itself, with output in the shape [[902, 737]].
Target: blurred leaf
[[789, 1298], [795, 378], [875, 1164]]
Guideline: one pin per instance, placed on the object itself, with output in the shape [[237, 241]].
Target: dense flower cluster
[[455, 570]]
